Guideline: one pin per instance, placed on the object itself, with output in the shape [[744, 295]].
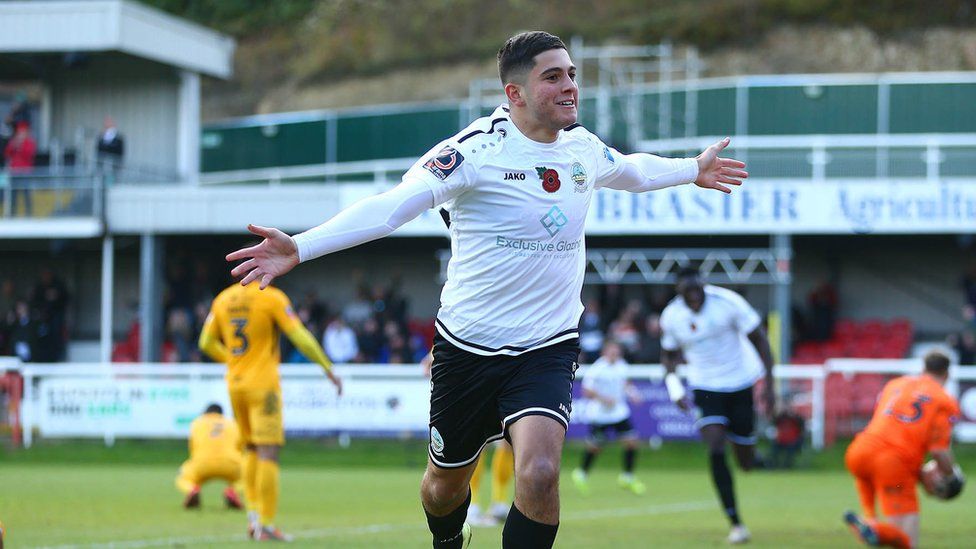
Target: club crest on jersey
[[549, 177], [436, 442], [444, 163], [579, 178]]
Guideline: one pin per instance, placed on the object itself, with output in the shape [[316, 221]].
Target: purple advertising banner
[[654, 416]]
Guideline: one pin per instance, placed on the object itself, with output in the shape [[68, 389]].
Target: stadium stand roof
[[113, 25]]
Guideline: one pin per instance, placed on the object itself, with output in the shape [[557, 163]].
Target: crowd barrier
[[160, 400]]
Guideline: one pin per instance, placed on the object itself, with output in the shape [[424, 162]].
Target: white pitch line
[[663, 509]]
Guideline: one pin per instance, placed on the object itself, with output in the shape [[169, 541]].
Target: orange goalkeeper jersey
[[250, 321], [914, 415]]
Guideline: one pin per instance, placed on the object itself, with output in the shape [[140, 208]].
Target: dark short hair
[[688, 272], [936, 362], [214, 409], [518, 53]]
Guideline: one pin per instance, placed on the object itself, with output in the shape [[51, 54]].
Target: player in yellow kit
[[242, 331], [215, 453]]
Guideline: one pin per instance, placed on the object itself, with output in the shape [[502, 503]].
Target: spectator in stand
[[8, 300], [318, 312], [591, 332], [19, 154], [649, 344], [790, 430], [624, 329], [969, 286], [50, 300], [967, 348], [19, 113], [110, 149], [964, 342], [823, 311], [23, 332], [357, 311], [179, 331], [340, 342], [370, 341], [396, 350], [8, 297]]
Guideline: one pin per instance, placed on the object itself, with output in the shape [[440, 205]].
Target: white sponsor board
[[163, 408], [365, 405], [770, 206]]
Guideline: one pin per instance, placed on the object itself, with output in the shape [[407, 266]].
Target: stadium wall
[[141, 96]]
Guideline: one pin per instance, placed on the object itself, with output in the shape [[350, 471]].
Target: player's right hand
[[274, 256]]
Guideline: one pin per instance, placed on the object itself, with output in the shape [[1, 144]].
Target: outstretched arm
[[305, 342], [366, 220], [643, 172]]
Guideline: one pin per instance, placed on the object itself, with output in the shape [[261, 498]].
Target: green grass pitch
[[80, 494]]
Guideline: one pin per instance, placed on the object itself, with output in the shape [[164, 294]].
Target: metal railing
[[376, 171], [808, 157], [820, 157], [47, 193]]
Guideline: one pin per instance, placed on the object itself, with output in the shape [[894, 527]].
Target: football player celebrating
[[517, 186], [704, 326]]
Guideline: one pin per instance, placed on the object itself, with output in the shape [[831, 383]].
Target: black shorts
[[600, 432], [474, 398], [734, 410]]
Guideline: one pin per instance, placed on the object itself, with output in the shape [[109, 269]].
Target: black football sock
[[588, 457], [447, 529], [521, 532], [630, 454], [722, 478]]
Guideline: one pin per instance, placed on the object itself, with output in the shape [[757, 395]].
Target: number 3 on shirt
[[916, 406], [239, 325]]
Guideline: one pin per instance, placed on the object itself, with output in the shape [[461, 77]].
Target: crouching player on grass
[[914, 416]]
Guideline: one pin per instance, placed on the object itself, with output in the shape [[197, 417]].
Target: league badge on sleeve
[[444, 163]]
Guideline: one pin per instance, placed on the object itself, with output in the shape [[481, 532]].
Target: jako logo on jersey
[[554, 220], [444, 163], [609, 155], [579, 177], [436, 442], [549, 177], [514, 176]]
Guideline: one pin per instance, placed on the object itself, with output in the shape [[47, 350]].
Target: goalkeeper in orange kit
[[242, 331], [914, 416]]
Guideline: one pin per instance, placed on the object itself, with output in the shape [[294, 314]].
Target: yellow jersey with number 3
[[249, 321]]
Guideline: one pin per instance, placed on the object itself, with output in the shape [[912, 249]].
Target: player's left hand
[[715, 172], [337, 381], [274, 256]]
